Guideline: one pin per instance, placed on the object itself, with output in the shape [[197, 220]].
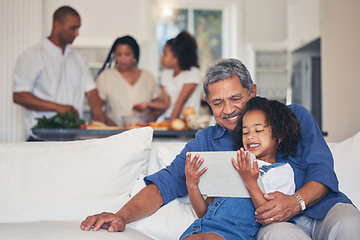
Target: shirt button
[[197, 230]]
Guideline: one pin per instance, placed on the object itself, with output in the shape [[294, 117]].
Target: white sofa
[[48, 188]]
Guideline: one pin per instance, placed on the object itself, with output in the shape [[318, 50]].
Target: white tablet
[[221, 179]]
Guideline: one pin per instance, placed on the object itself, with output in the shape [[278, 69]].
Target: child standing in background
[[266, 127], [180, 79]]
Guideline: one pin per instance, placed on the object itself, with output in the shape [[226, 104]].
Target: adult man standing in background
[[51, 78]]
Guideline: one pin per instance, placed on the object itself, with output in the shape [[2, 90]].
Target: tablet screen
[[221, 179]]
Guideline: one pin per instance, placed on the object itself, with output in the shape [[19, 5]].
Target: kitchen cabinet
[[95, 56], [303, 22], [268, 68], [271, 74]]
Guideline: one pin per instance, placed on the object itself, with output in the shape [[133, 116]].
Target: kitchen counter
[[51, 134]]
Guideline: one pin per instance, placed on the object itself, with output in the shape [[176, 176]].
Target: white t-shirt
[[47, 73], [173, 86], [280, 178], [120, 97]]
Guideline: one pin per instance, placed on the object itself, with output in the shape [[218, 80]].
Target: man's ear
[[56, 24], [253, 90], [207, 100]]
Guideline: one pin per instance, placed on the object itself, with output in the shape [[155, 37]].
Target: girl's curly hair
[[285, 128], [184, 48]]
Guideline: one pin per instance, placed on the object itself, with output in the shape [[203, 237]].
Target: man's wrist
[[123, 214], [301, 202], [96, 111], [98, 115]]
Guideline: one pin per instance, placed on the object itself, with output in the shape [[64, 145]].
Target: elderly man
[[325, 213], [51, 78]]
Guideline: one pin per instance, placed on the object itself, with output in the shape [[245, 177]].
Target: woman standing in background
[[124, 85], [180, 79]]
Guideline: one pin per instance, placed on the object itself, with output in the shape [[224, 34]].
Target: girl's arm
[[186, 91], [160, 104], [192, 181], [249, 176]]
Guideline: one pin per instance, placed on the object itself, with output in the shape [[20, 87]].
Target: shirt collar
[[50, 45], [220, 131]]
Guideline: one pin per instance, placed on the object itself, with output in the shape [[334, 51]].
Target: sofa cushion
[[167, 154], [347, 164], [62, 230], [169, 222], [163, 153], [61, 181]]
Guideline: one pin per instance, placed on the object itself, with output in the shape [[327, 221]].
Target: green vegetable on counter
[[60, 120]]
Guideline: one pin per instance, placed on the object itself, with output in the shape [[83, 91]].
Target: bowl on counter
[[130, 122]]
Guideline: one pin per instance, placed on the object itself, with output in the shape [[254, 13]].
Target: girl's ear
[[277, 145], [176, 60]]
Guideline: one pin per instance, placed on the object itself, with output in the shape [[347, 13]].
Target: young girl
[[180, 79], [124, 85], [266, 127]]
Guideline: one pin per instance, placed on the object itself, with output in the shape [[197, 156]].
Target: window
[[208, 29], [205, 25]]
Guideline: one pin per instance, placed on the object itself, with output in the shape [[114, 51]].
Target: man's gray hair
[[227, 68]]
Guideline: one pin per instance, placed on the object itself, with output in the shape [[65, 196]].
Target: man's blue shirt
[[313, 162]]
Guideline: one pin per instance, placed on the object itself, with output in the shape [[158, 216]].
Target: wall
[[340, 68], [26, 22], [303, 22], [265, 21], [20, 27], [104, 21]]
